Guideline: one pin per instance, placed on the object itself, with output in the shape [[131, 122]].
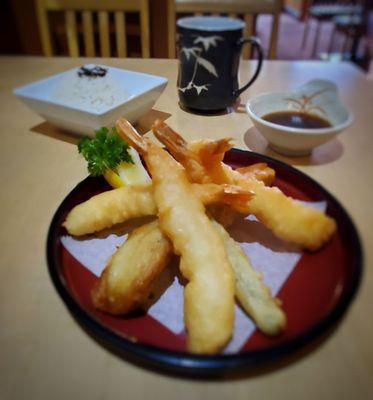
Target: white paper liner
[[274, 258]]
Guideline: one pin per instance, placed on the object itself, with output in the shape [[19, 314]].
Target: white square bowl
[[122, 93]]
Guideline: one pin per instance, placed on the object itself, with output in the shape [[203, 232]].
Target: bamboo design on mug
[[202, 45]]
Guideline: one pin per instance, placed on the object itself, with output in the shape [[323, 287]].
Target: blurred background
[[288, 29]]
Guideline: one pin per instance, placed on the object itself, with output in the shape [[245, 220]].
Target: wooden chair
[[326, 10], [354, 27], [233, 8], [85, 9]]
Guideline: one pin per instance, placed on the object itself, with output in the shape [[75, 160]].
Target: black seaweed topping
[[92, 71]]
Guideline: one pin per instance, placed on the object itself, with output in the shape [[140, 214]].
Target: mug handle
[[256, 44]]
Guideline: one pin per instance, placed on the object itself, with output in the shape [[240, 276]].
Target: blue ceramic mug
[[209, 50]]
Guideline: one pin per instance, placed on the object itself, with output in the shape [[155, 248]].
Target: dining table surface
[[44, 353]]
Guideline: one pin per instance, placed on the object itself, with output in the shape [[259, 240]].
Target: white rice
[[92, 94]]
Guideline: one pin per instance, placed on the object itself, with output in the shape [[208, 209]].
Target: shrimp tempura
[[286, 217], [209, 293], [119, 205]]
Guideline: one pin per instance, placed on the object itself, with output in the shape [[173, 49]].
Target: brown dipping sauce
[[296, 119]]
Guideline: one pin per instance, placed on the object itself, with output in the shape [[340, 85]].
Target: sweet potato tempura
[[127, 279]]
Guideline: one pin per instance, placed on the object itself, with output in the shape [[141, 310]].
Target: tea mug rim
[[228, 24]]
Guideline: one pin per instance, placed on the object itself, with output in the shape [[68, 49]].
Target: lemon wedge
[[127, 173], [113, 179], [133, 174]]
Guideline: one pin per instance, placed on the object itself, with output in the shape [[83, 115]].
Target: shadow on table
[[48, 129], [143, 125], [324, 154], [237, 107]]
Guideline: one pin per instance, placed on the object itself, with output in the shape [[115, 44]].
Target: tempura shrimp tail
[[131, 136], [237, 197], [211, 148], [171, 139], [259, 171], [178, 147]]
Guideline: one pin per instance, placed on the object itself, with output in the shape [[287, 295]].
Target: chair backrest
[[331, 8], [248, 9], [84, 10]]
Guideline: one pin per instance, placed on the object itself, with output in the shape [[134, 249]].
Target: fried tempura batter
[[254, 296], [289, 219], [126, 282], [118, 205], [109, 208], [286, 217], [209, 294], [127, 279]]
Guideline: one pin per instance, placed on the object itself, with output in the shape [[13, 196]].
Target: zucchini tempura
[[253, 295], [209, 293]]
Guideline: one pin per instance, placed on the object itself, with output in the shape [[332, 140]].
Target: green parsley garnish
[[105, 151]]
